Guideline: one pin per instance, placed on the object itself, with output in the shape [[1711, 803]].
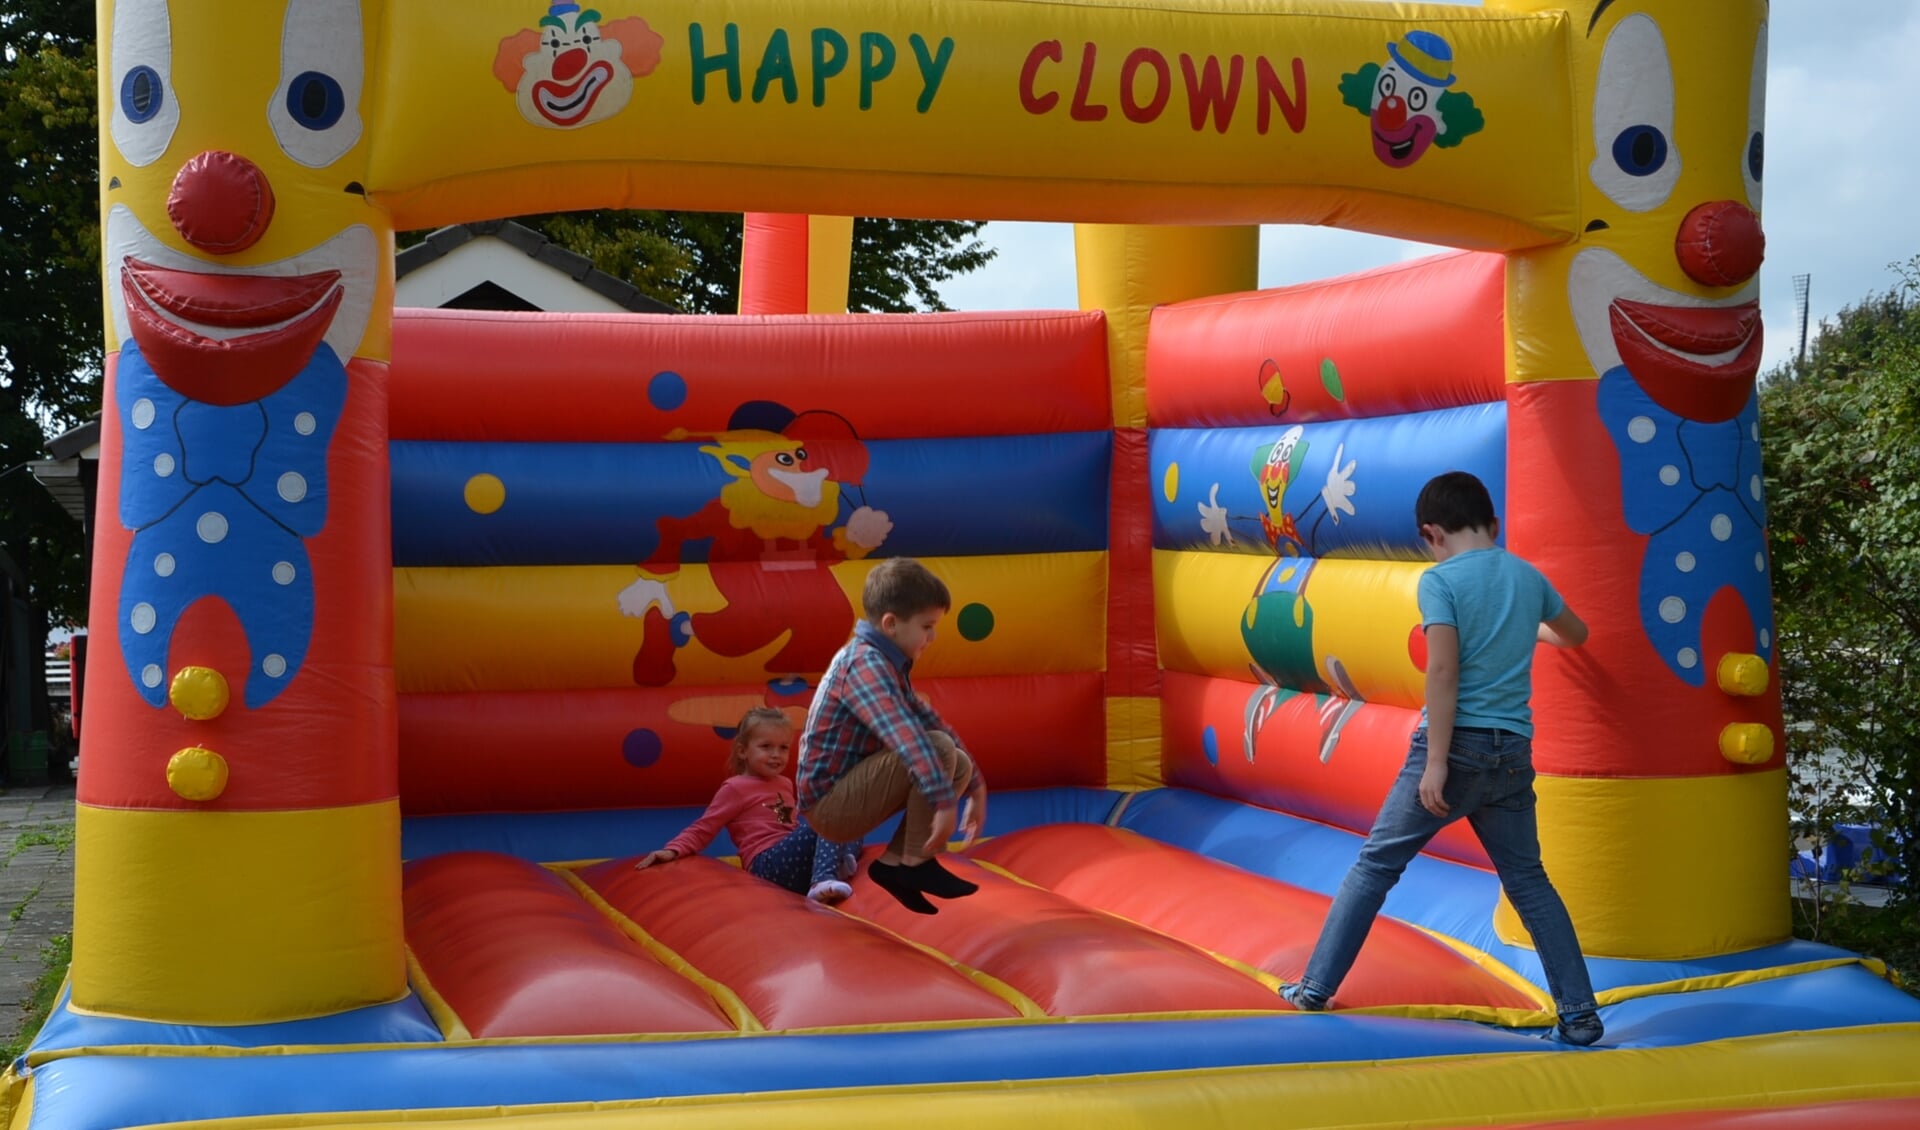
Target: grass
[[55, 956], [57, 836], [1891, 934]]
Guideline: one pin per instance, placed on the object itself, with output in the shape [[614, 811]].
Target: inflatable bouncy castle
[[413, 629]]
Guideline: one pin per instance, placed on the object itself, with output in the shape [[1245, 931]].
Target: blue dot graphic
[[1210, 742], [641, 748], [667, 390]]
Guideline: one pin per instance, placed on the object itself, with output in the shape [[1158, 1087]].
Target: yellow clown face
[[1662, 280], [231, 260], [1665, 281]]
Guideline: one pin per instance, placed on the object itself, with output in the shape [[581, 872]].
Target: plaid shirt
[[866, 704]]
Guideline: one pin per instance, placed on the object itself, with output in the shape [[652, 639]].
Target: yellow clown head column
[[1636, 484], [238, 855]]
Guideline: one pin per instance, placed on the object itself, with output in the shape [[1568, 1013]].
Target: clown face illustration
[[573, 70], [1409, 100]]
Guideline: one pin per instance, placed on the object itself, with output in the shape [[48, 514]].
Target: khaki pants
[[879, 786]]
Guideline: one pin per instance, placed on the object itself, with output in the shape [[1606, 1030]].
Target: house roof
[[537, 247]]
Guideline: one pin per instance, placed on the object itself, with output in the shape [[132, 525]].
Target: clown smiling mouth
[[290, 314], [565, 105], [1399, 149], [1695, 361]]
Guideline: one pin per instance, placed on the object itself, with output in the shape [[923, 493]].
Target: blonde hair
[[752, 720]]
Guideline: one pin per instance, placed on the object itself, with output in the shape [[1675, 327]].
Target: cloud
[[1841, 169]]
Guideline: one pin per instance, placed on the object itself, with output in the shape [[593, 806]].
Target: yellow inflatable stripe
[[452, 1028], [1659, 868], [1493, 966], [1770, 1072], [1023, 1004], [1361, 616], [731, 1005], [560, 627], [172, 914], [1133, 744], [1262, 976]]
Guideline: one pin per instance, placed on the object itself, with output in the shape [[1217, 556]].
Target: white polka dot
[[304, 423], [143, 413], [1760, 562], [1669, 474], [163, 464], [1753, 487], [1722, 527], [1766, 638], [1688, 658], [1754, 430], [274, 666], [151, 674], [293, 486], [1684, 562], [142, 618], [163, 564], [1641, 429], [212, 527], [1673, 610], [283, 572]]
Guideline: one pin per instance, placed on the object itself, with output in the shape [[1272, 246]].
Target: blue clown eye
[[1756, 155], [315, 100], [142, 94], [1640, 150]]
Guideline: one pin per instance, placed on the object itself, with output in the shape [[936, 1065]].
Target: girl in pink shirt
[[755, 806]]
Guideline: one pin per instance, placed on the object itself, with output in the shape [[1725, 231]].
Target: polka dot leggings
[[803, 859]]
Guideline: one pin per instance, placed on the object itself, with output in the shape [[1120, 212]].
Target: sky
[[1842, 164]]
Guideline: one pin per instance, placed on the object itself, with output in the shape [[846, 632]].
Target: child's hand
[[1433, 783], [653, 857], [974, 816]]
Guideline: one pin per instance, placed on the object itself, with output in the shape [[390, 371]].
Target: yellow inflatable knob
[[1746, 743], [199, 693], [1742, 673], [197, 774]]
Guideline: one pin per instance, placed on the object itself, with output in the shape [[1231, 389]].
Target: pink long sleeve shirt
[[755, 811]]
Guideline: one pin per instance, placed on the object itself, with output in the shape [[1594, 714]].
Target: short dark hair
[[1454, 501], [904, 587]]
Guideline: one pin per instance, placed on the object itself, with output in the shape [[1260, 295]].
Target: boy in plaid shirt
[[871, 748]]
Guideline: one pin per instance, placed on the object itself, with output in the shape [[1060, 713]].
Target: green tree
[[691, 260], [50, 328], [1843, 468]]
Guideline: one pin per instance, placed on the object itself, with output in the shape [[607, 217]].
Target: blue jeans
[[1490, 782]]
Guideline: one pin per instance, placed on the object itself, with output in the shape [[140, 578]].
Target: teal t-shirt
[[1497, 602]]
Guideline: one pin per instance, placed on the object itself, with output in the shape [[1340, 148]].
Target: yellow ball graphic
[[485, 494]]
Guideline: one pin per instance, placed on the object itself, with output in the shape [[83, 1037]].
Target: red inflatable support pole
[[773, 264]]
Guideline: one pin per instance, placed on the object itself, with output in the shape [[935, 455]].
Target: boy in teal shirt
[[1484, 610]]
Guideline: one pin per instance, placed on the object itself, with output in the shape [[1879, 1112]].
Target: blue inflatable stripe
[[100, 1092], [554, 837], [599, 503], [107, 1092], [1386, 460], [403, 1022]]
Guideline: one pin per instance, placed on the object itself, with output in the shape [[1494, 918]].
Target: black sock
[[939, 882], [895, 880]]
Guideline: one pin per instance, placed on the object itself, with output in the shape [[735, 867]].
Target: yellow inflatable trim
[[452, 1028], [731, 1005], [1023, 1004]]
